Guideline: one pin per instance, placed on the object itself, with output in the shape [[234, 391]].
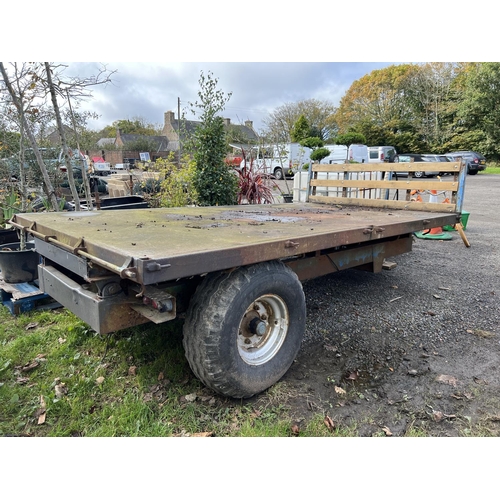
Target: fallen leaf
[[354, 375], [190, 398], [30, 326], [99, 380], [387, 431], [41, 411], [61, 390], [483, 333], [329, 423], [132, 370], [61, 340], [330, 348], [480, 381], [202, 434], [437, 415], [295, 429], [339, 390], [161, 376], [447, 379], [30, 366]]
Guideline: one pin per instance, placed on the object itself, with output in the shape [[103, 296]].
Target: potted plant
[[18, 259], [253, 186], [8, 234]]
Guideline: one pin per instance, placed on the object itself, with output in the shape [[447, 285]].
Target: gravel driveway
[[414, 349]]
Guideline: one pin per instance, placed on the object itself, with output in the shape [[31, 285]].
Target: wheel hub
[[262, 329]]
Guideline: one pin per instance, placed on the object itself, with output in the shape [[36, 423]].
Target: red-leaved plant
[[254, 186]]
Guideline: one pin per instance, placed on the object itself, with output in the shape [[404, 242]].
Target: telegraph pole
[[179, 130]]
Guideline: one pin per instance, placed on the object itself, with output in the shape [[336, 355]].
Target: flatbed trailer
[[234, 272]]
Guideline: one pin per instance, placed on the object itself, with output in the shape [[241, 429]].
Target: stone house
[[244, 133]]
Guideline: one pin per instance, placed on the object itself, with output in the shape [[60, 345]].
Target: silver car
[[407, 157]]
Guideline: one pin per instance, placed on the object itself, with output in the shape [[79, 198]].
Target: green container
[[465, 219]]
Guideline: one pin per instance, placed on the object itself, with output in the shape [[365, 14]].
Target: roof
[[188, 127], [160, 141], [106, 140]]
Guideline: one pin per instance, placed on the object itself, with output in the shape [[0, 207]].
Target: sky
[[265, 55], [147, 90]]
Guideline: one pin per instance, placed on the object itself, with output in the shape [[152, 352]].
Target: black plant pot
[[18, 266], [8, 236], [288, 198]]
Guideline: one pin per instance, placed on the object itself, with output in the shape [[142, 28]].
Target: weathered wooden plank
[[389, 167], [373, 184], [395, 204]]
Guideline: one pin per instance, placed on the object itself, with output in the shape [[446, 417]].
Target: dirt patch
[[414, 350]]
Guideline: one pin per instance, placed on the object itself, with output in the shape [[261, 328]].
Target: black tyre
[[278, 174], [418, 175], [244, 328], [473, 172]]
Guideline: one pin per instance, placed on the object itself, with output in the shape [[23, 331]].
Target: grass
[[60, 378], [492, 168]]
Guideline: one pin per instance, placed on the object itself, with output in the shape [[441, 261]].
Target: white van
[[277, 160], [340, 154], [381, 154]]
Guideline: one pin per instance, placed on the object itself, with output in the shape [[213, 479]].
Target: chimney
[[169, 117], [227, 121], [249, 124]]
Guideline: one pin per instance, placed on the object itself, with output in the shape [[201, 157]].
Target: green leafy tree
[[301, 129], [319, 153], [214, 181], [137, 126], [479, 108], [350, 138], [311, 142]]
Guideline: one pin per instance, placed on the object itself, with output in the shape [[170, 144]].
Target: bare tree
[[68, 89], [319, 115], [22, 97]]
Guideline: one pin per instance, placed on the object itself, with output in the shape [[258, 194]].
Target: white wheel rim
[[263, 329]]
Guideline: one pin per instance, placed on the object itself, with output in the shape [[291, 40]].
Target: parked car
[[407, 157], [437, 158], [381, 154], [475, 161]]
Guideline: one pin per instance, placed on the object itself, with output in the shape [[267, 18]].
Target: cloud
[[147, 90]]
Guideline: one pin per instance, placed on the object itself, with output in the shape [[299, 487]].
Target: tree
[[377, 106], [319, 115], [137, 125], [301, 129], [214, 182], [479, 108], [350, 138], [319, 153], [23, 93], [429, 93]]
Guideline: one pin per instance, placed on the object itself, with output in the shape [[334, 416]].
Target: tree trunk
[[67, 159], [29, 133]]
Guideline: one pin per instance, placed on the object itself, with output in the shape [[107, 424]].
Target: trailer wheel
[[244, 328]]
